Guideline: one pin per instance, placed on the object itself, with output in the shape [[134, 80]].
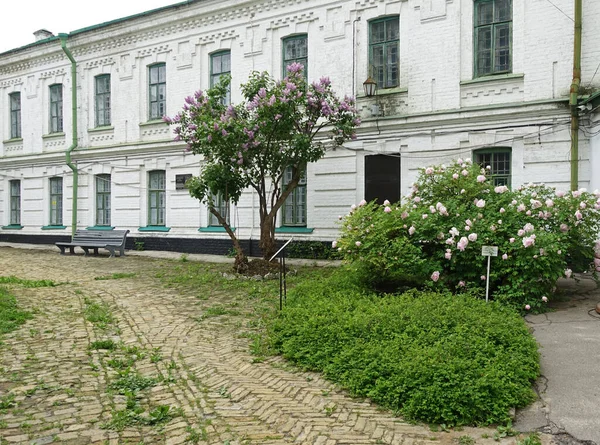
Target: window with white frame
[[56, 201], [384, 51], [103, 200], [157, 204], [492, 37], [102, 100]]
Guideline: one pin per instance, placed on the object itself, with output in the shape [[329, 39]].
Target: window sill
[[12, 227], [100, 129], [54, 227], [214, 229], [12, 141], [153, 122], [384, 92], [292, 229], [493, 78], [53, 135], [100, 228], [154, 229]]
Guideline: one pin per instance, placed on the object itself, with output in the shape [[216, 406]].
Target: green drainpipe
[[63, 44], [574, 95]]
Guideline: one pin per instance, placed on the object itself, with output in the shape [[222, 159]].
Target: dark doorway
[[382, 178]]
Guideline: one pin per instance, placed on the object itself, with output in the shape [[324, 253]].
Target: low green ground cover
[[432, 357], [11, 317]]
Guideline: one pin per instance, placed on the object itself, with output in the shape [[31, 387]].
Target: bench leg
[[85, 249], [72, 250], [62, 249], [111, 250]]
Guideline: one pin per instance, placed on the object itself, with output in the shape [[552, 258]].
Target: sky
[[19, 19]]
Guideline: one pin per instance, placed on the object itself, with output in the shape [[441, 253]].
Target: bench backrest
[[100, 236]]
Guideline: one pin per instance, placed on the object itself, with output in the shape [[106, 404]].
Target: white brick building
[[481, 79]]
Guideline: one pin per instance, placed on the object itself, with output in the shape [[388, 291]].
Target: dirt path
[[64, 388]]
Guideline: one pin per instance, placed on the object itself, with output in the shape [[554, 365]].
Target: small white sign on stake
[[489, 252]]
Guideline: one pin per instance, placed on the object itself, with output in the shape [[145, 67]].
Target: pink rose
[[435, 276], [578, 215], [448, 254], [549, 203], [568, 273], [362, 203], [358, 243], [483, 278], [521, 208], [387, 209], [511, 240], [560, 193], [465, 173], [472, 237], [386, 203], [502, 210], [429, 171], [425, 215], [480, 203], [461, 283], [455, 176], [527, 307], [411, 230], [505, 257], [564, 228], [417, 199], [334, 244], [545, 299], [404, 215], [480, 178]]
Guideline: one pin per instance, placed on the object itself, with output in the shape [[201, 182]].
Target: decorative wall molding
[[11, 82], [99, 62]]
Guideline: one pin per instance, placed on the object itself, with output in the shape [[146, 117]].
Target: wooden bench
[[110, 240]]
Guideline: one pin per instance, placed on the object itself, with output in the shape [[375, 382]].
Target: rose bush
[[434, 236]]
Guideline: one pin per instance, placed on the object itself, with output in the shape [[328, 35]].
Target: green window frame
[[103, 196], [384, 51], [499, 160], [102, 100], [492, 37], [56, 108], [15, 202], [294, 208], [294, 49], [220, 65], [157, 91], [56, 201], [222, 206], [157, 205], [15, 115]]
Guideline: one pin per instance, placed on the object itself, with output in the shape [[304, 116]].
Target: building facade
[[481, 79]]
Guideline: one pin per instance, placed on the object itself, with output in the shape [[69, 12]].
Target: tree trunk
[[267, 238], [240, 264]]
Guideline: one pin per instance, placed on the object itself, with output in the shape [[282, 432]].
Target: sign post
[[489, 252], [282, 273]]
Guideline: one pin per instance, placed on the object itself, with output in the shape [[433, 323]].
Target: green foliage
[[11, 317], [433, 238], [98, 313], [531, 439], [432, 357], [317, 250]]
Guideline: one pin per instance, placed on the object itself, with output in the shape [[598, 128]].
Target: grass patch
[[130, 382], [431, 357], [27, 283], [11, 317], [108, 345], [115, 276], [98, 313]]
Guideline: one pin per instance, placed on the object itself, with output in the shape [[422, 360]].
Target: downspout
[[574, 95], [63, 44]]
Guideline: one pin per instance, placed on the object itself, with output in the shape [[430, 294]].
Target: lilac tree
[[279, 124]]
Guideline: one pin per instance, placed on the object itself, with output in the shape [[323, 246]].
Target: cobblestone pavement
[[204, 372]]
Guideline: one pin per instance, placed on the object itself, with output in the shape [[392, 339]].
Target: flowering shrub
[[435, 236]]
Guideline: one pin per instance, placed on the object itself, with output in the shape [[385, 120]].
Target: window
[[103, 200], [220, 65], [493, 37], [156, 198], [499, 161], [294, 209], [15, 202], [221, 206], [15, 115], [103, 100], [295, 49], [384, 35], [56, 201], [56, 109], [158, 91]]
